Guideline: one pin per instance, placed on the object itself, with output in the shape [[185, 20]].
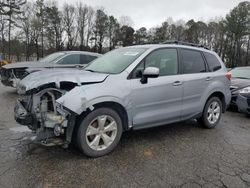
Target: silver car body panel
[[57, 76], [154, 103]]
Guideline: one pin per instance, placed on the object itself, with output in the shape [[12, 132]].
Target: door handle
[[177, 83], [208, 78]]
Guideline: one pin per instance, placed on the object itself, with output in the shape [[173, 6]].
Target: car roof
[[81, 52], [155, 46]]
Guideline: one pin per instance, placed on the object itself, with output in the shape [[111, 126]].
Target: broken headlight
[[245, 91]]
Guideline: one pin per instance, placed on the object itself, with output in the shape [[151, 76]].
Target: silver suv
[[128, 88]]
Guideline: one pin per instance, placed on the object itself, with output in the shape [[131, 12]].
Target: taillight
[[229, 75]]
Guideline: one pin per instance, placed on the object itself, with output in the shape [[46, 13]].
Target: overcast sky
[[151, 13]]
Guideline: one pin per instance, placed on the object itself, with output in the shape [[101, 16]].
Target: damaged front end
[[12, 77], [51, 123]]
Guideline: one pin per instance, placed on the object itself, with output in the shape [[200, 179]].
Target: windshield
[[115, 61], [52, 57], [243, 73]]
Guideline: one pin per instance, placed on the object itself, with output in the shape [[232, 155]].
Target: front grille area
[[248, 102]]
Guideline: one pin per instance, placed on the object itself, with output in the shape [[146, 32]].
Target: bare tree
[[113, 31], [54, 28], [25, 24], [3, 25], [90, 24], [69, 16], [100, 29], [11, 8], [82, 12], [126, 20], [40, 14]]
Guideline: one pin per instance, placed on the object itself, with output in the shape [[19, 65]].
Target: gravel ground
[[179, 155]]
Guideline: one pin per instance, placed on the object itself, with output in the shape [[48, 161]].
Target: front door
[[158, 101]]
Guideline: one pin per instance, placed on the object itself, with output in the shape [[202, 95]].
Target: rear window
[[213, 62]]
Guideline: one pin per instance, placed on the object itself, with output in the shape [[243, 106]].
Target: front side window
[[192, 62], [164, 59], [115, 61], [70, 59]]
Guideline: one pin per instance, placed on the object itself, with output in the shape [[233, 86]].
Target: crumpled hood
[[27, 64], [240, 83], [79, 77]]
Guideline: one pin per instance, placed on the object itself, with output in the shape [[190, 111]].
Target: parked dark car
[[240, 88], [11, 74]]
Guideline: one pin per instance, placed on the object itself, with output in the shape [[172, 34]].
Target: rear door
[[196, 80]]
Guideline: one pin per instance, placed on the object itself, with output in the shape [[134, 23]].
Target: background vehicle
[[128, 88], [11, 74], [240, 88], [3, 61]]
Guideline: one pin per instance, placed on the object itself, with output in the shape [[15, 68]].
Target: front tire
[[212, 113], [99, 132]]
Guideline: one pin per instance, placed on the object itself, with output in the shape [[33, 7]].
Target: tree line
[[41, 27]]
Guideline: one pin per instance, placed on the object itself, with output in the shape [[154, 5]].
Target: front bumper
[[243, 104], [45, 132]]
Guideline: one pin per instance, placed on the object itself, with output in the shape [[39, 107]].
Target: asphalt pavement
[[177, 155]]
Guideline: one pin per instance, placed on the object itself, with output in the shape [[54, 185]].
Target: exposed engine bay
[[40, 113], [51, 102]]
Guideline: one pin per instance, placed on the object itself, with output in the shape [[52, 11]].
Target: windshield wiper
[[90, 70]]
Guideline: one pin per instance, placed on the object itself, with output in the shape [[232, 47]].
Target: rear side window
[[213, 62], [85, 59], [192, 62]]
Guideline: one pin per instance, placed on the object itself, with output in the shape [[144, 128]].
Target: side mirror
[[149, 72]]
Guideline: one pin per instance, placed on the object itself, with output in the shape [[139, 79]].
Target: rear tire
[[212, 113], [99, 132]]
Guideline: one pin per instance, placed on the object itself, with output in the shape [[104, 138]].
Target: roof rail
[[185, 43]]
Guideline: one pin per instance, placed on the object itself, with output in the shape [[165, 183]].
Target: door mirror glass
[[151, 72]]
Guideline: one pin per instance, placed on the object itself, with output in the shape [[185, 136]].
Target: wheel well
[[118, 108], [113, 105], [221, 96]]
